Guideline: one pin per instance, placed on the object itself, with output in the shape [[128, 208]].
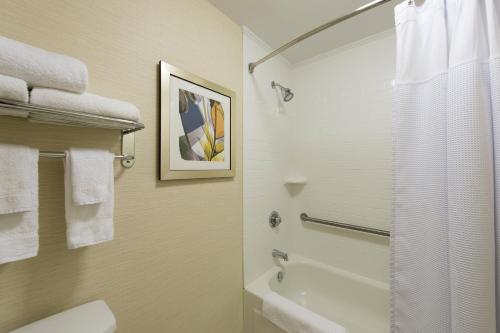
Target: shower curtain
[[446, 168]]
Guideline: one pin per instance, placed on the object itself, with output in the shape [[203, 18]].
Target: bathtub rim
[[260, 287]]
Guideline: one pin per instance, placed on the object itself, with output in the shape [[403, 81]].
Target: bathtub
[[359, 304]]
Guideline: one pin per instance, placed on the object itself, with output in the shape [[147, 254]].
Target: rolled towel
[[42, 68], [92, 223], [13, 89], [85, 103], [293, 318], [18, 202]]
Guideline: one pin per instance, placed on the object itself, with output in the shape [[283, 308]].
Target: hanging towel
[[42, 68], [293, 318], [13, 89], [18, 202], [88, 224], [85, 103], [90, 170]]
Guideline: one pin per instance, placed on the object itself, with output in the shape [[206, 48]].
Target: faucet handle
[[274, 219]]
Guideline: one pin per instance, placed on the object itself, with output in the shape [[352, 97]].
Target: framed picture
[[197, 126]]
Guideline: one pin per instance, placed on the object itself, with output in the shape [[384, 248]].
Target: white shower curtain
[[446, 185]]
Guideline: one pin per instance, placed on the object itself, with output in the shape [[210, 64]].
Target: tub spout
[[280, 254]]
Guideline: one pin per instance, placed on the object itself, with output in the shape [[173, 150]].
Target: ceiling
[[279, 21]]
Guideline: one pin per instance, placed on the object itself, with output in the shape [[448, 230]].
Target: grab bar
[[305, 218]]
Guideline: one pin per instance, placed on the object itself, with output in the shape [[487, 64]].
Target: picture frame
[[197, 126]]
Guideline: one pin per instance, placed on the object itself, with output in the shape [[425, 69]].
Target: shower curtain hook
[[410, 2]]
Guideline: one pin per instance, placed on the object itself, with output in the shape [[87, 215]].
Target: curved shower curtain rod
[[362, 9]]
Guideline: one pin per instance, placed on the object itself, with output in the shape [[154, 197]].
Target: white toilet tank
[[93, 317]]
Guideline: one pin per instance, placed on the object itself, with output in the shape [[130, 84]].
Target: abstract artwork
[[203, 123], [196, 127]]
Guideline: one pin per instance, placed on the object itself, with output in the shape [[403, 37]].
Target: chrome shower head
[[286, 93]]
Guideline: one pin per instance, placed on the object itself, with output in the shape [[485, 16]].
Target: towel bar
[[46, 115], [61, 154]]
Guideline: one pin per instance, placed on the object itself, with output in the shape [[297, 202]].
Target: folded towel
[[18, 179], [18, 203], [42, 68], [86, 103], [14, 89], [293, 318], [87, 224], [90, 170], [18, 236]]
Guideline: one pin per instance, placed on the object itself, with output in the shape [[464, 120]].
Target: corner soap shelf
[[46, 115], [295, 181]]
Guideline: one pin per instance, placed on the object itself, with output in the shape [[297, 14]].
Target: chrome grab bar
[[305, 218]]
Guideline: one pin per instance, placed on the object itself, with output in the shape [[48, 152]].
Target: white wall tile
[[267, 126], [337, 133]]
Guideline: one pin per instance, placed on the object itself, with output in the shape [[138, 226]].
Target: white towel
[[93, 223], [18, 178], [18, 202], [90, 170], [14, 89], [293, 318], [86, 103], [42, 68]]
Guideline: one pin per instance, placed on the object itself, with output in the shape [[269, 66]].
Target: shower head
[[286, 93]]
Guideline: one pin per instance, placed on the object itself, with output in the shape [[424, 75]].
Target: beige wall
[[176, 262]]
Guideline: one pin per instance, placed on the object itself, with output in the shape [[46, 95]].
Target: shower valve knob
[[274, 219]]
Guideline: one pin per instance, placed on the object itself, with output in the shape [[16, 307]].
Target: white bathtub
[[359, 304]]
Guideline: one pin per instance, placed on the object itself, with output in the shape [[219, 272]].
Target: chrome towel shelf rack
[[46, 115], [305, 218]]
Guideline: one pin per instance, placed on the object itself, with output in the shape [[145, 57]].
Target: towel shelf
[[46, 115]]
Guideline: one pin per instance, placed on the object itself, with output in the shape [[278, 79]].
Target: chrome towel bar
[[61, 154], [305, 218]]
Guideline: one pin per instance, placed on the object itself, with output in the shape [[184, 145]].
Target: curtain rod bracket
[[251, 67]]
